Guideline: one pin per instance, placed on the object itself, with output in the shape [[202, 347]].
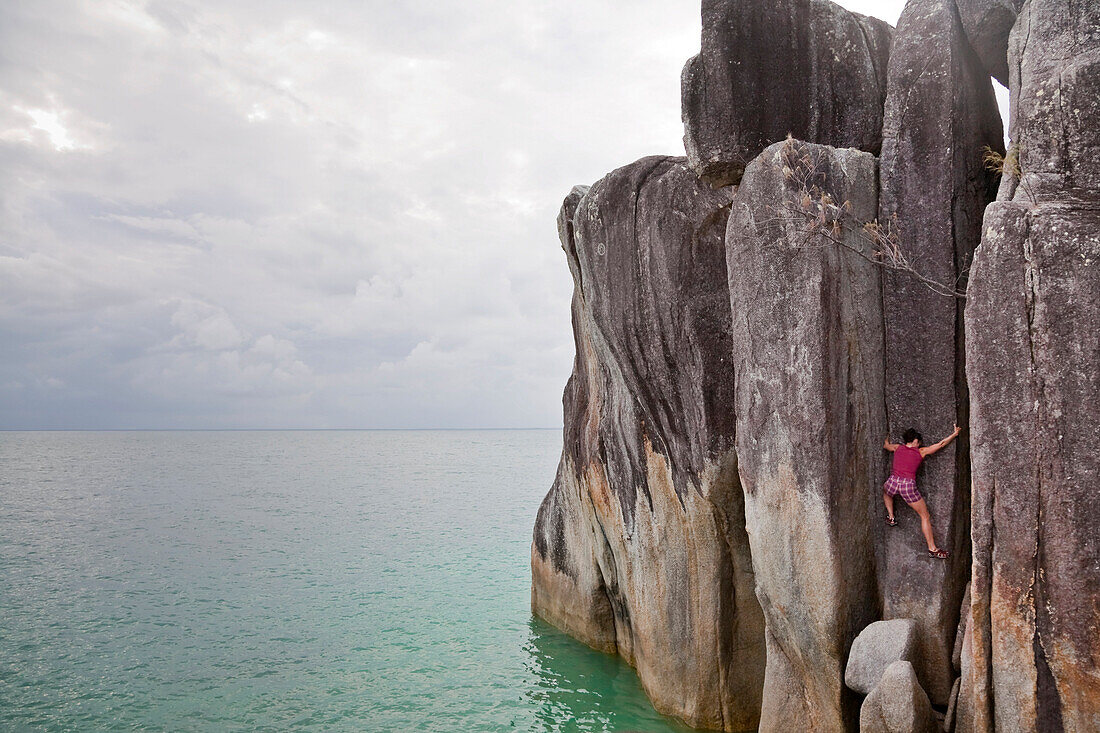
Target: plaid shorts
[[906, 487]]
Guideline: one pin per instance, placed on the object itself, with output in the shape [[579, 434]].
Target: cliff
[[1032, 657], [640, 545], [807, 355], [940, 115], [752, 320]]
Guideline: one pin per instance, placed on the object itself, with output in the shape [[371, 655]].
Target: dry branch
[[813, 212]]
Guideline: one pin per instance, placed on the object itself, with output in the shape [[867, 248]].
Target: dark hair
[[910, 435]]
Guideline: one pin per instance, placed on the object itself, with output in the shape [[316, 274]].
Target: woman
[[903, 481]]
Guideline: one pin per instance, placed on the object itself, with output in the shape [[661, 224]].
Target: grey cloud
[[287, 214]]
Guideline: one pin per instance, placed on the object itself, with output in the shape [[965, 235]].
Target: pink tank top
[[907, 461]]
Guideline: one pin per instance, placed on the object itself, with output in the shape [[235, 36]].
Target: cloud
[[204, 326], [276, 214]]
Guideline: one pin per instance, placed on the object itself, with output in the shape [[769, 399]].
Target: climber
[[903, 480]]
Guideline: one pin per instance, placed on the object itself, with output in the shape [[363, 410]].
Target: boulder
[[876, 648], [807, 355], [987, 24], [768, 69], [940, 114], [1030, 655], [640, 546], [897, 704]]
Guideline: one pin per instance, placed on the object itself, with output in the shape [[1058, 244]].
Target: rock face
[[716, 517], [640, 545], [568, 589], [952, 707], [1055, 89], [1033, 660], [898, 704], [940, 113], [960, 632], [768, 69], [987, 24], [876, 648], [807, 353], [1035, 362]]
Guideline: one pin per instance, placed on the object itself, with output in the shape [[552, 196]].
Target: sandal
[[891, 521], [939, 554]]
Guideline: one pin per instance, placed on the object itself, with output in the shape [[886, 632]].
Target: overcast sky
[[289, 214]]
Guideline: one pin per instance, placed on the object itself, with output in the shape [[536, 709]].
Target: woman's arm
[[887, 445], [942, 444]]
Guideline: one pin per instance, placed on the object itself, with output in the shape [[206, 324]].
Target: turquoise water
[[370, 581]]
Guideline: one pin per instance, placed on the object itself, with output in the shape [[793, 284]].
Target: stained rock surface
[[640, 545], [897, 704], [1034, 353], [1031, 659], [808, 68], [940, 114], [568, 589], [807, 354]]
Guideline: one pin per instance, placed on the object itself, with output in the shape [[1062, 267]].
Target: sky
[[271, 214]]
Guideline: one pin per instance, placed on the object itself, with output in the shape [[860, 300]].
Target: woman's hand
[[942, 444]]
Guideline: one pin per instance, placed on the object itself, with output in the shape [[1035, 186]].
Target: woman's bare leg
[[921, 508], [889, 502]]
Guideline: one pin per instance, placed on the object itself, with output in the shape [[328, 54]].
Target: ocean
[[275, 580]]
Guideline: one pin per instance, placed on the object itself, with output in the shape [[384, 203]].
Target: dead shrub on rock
[[823, 220]]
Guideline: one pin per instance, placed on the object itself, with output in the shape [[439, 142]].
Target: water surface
[[361, 580]]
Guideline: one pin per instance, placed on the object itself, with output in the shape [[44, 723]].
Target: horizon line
[[254, 430]]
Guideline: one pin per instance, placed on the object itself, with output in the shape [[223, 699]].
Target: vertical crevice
[[610, 589], [1048, 704], [987, 610], [1048, 707]]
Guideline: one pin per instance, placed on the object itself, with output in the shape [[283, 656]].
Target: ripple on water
[[315, 580]]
